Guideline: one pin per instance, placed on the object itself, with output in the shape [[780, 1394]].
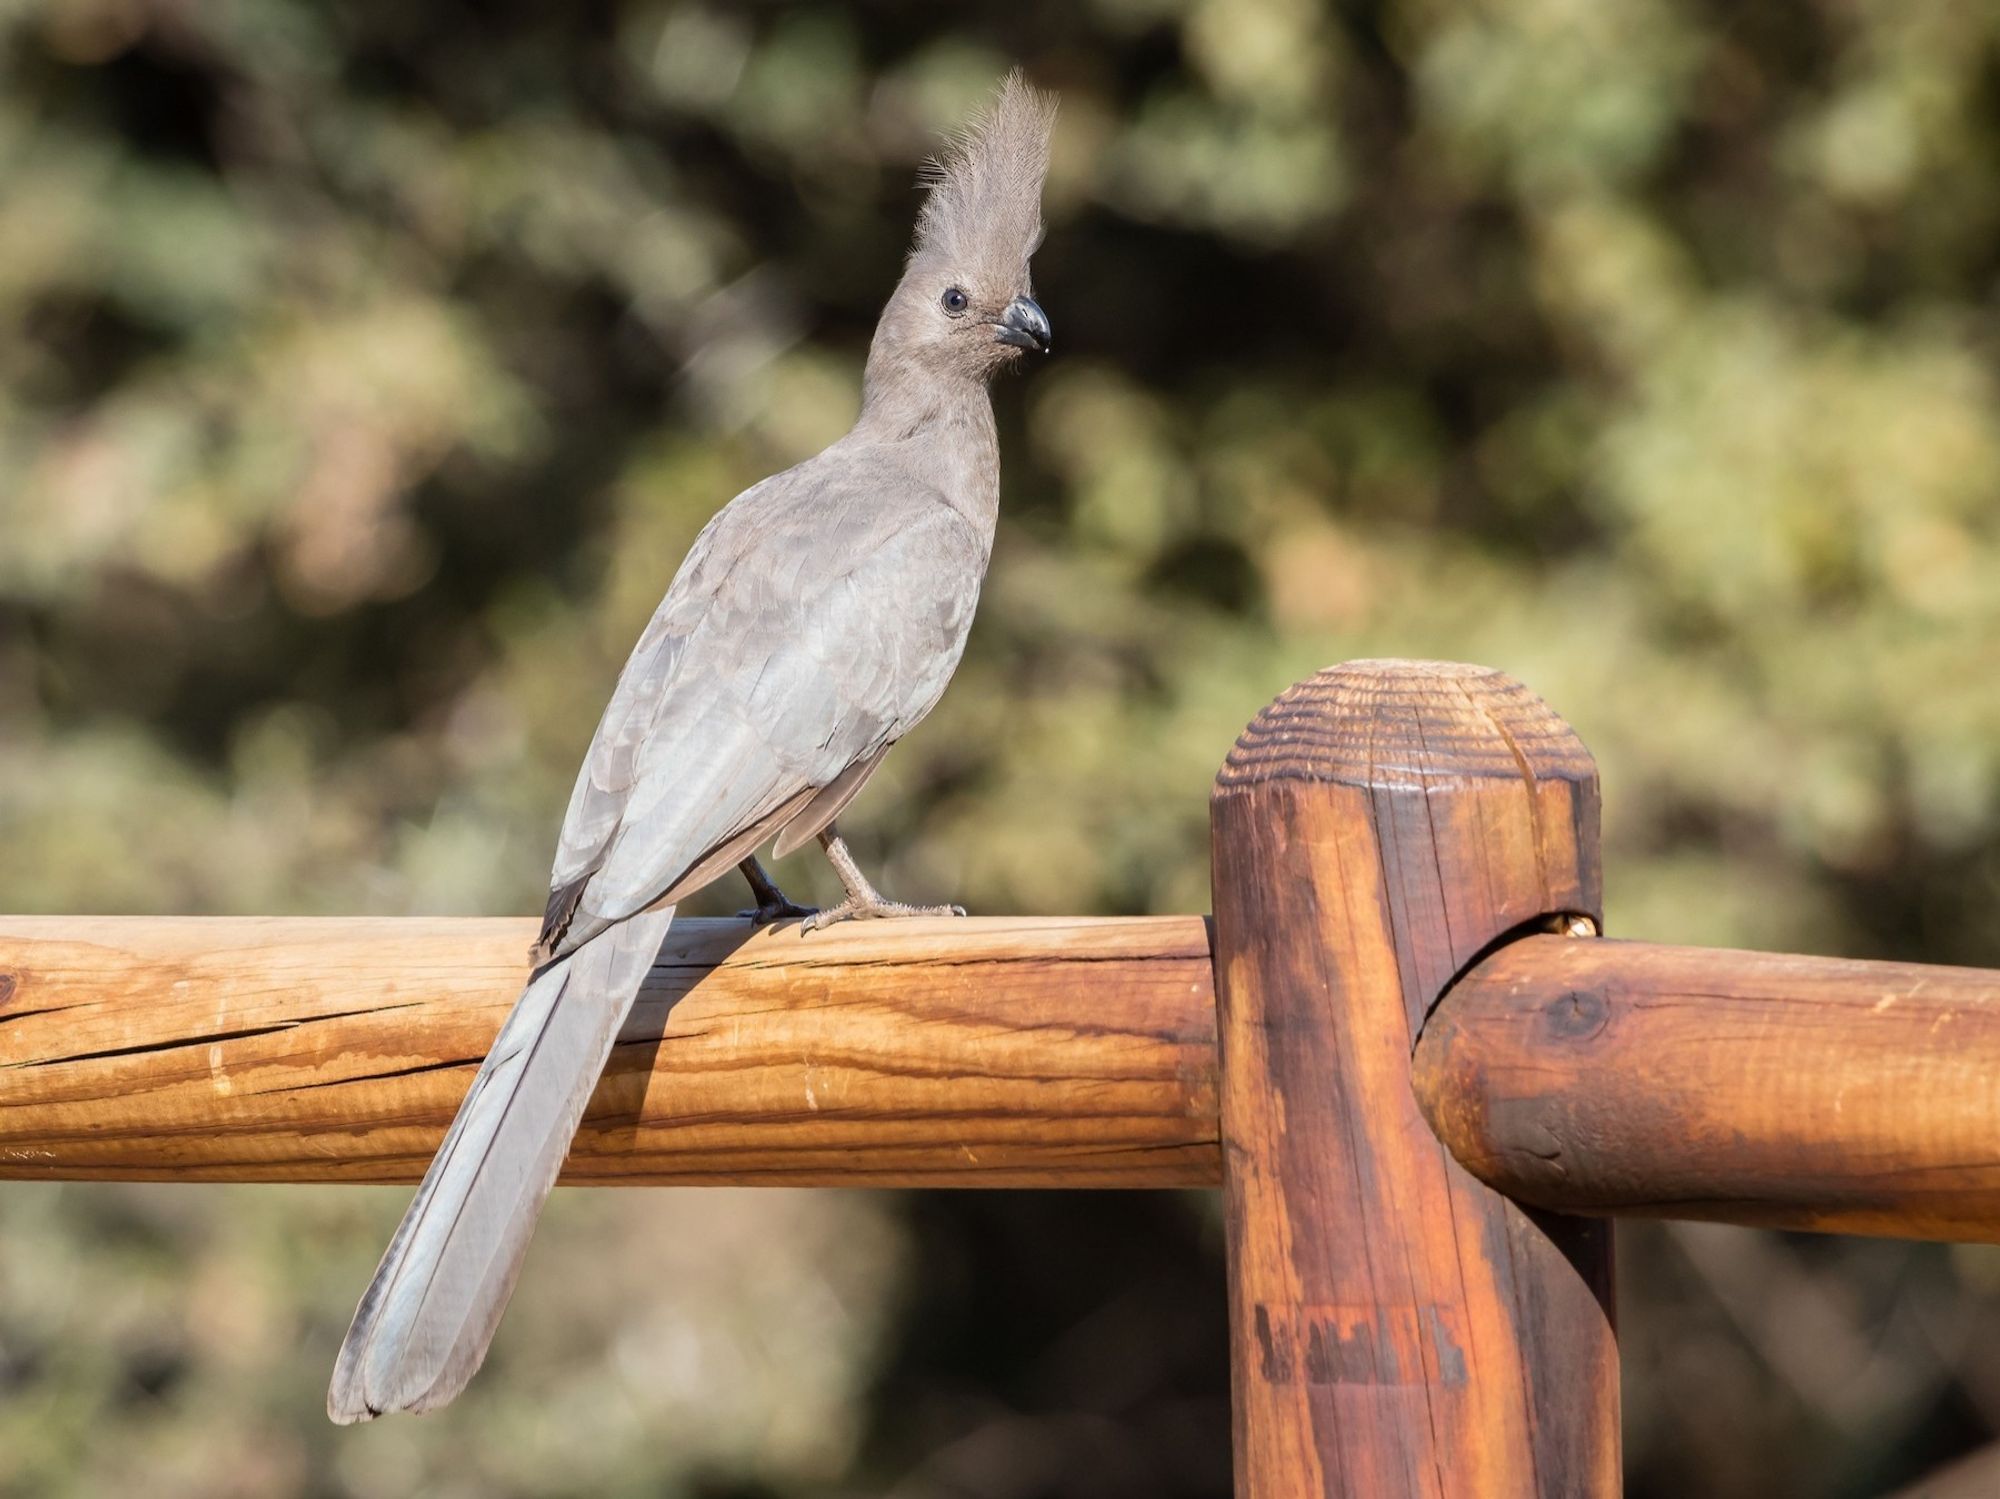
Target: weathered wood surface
[[1048, 1052], [1744, 1087], [1398, 1328]]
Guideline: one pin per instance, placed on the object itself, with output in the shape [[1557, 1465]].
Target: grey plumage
[[816, 621]]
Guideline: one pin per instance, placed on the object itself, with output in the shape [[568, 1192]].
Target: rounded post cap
[[1406, 723]]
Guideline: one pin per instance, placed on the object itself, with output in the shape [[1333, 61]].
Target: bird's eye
[[955, 301]]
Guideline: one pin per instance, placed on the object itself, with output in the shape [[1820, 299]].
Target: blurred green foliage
[[367, 369]]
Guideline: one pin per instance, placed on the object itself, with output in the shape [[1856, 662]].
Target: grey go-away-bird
[[814, 623]]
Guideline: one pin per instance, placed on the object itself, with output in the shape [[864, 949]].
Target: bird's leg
[[863, 899], [772, 903]]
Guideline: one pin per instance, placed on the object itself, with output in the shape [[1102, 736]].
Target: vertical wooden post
[[1397, 1328]]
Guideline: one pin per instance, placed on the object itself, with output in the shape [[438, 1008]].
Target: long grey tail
[[424, 1322]]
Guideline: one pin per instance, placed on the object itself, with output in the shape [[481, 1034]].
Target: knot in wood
[[1577, 1015]]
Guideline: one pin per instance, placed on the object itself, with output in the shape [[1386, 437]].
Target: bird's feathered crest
[[985, 201]]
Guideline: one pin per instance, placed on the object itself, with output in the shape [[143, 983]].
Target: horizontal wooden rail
[[1622, 1078], [1586, 1076], [1051, 1052]]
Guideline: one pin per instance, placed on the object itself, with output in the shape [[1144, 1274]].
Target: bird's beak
[[1024, 325]]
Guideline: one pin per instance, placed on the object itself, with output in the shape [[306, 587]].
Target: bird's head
[[965, 305]]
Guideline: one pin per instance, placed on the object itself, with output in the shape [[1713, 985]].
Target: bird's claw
[[871, 910], [777, 910]]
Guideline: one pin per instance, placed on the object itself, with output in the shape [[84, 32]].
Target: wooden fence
[[1422, 1080]]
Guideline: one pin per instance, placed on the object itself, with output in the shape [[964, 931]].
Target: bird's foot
[[780, 909], [772, 903], [858, 909]]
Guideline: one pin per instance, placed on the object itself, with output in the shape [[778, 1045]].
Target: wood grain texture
[[1743, 1087], [1035, 1052], [1398, 1327]]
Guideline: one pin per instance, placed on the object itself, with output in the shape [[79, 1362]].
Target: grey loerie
[[815, 622]]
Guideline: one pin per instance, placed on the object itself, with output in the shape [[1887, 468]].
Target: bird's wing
[[815, 623], [610, 766]]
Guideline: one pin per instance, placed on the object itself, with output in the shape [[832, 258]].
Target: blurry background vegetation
[[365, 370]]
